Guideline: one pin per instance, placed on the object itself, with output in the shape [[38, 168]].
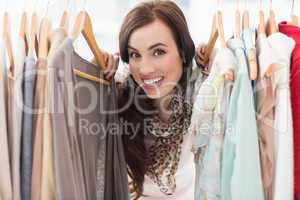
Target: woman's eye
[[133, 55], [159, 52]]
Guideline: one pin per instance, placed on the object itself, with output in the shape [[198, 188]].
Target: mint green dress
[[241, 171]]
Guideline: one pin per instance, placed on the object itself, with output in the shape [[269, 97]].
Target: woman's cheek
[[172, 68], [133, 69]]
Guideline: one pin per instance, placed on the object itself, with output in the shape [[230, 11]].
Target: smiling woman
[[155, 41]]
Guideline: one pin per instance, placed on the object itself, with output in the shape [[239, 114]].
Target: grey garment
[[80, 125], [27, 128], [116, 181]]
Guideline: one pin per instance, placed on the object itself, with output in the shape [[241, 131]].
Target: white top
[[282, 47], [185, 177], [276, 49], [15, 115], [5, 173]]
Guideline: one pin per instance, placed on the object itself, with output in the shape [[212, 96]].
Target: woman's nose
[[146, 67]]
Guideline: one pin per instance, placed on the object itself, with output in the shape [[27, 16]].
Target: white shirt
[[185, 177]]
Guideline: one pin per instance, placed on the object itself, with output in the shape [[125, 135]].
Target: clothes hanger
[[271, 24], [245, 24], [251, 56], [64, 18], [23, 30], [262, 30], [237, 23], [7, 41], [229, 75], [217, 31], [44, 35], [211, 42], [83, 25], [33, 44], [261, 25], [294, 19]]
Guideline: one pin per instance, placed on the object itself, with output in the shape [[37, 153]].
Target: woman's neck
[[162, 104]]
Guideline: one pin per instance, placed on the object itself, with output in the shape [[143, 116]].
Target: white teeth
[[152, 81]]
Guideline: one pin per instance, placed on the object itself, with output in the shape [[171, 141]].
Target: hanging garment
[[241, 170], [248, 36], [208, 126], [282, 47], [15, 110], [294, 32], [27, 129], [48, 183], [38, 131], [5, 170], [80, 130], [116, 181], [266, 102]]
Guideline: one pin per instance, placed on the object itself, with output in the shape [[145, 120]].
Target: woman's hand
[[112, 63], [200, 53]]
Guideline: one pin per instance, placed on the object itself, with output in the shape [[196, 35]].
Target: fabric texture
[[241, 169], [15, 111], [5, 169], [164, 154], [294, 32], [208, 126], [282, 47], [38, 131], [27, 129], [266, 102], [48, 183], [87, 156]]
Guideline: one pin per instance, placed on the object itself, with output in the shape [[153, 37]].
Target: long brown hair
[[144, 14]]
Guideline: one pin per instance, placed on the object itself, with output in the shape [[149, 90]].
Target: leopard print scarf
[[164, 154]]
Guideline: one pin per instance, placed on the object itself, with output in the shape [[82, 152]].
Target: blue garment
[[249, 39], [26, 153], [241, 171], [208, 126]]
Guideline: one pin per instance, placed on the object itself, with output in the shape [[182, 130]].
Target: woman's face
[[154, 59]]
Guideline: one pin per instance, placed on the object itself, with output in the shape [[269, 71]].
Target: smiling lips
[[149, 83]]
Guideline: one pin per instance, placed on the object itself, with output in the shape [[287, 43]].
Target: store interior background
[[107, 16]]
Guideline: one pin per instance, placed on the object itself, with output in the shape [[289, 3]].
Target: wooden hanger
[[90, 77], [271, 24], [251, 56], [7, 42], [23, 30], [261, 25], [44, 38], [83, 25], [229, 75], [237, 24], [245, 19], [33, 44], [64, 20], [211, 42], [294, 19]]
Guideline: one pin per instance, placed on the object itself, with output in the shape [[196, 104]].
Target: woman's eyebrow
[[151, 47], [130, 47], [156, 45]]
